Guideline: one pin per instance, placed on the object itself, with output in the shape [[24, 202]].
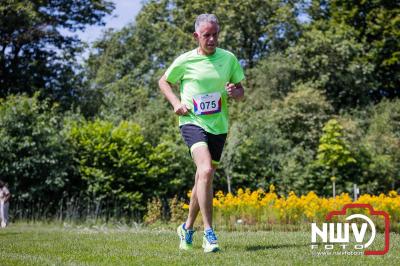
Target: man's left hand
[[235, 91]]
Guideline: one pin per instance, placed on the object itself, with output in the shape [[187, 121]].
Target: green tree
[[35, 159], [34, 54], [120, 165], [382, 140], [301, 116], [271, 79], [250, 29], [332, 60], [253, 153], [276, 141], [114, 161], [333, 152], [376, 27], [161, 23]]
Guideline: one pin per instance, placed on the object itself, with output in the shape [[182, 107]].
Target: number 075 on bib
[[205, 104]]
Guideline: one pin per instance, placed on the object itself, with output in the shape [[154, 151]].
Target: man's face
[[207, 37]]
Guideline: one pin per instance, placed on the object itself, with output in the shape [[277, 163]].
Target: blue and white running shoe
[[186, 237], [210, 241]]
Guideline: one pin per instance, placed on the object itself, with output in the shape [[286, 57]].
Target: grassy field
[[40, 244]]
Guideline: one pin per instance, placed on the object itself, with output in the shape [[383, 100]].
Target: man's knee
[[206, 173]]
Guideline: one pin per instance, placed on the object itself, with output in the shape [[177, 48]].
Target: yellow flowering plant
[[262, 208]]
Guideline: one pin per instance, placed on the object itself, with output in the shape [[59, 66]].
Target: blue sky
[[125, 11]]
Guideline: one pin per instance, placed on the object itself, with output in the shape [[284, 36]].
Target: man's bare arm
[[166, 89]]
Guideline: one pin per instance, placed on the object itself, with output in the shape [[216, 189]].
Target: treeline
[[98, 140]]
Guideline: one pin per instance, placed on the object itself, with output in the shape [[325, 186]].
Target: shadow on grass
[[268, 247], [9, 233]]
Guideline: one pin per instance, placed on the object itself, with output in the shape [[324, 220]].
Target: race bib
[[205, 104]]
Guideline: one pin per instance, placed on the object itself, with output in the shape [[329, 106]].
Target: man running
[[208, 76]]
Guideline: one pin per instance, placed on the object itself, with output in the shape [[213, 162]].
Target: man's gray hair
[[211, 18]]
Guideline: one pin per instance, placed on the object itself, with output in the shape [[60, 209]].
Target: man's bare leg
[[194, 207], [205, 171]]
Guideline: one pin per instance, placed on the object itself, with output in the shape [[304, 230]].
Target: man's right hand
[[181, 109]]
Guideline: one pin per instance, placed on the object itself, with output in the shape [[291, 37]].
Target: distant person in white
[[4, 204]]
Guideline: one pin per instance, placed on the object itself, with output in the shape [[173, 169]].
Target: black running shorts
[[195, 136]]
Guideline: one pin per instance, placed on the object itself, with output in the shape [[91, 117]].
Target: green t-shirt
[[202, 87]]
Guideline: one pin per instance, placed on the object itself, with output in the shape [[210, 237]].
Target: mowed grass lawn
[[39, 244]]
